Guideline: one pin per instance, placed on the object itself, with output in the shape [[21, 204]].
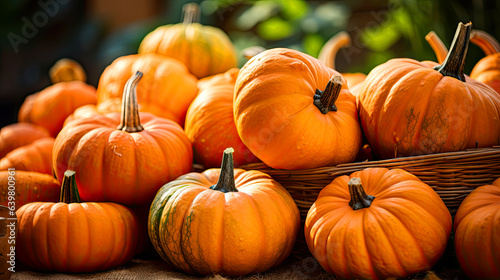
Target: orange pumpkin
[[27, 187], [408, 108], [210, 122], [35, 157], [477, 226], [122, 160], [19, 134], [329, 52], [205, 50], [487, 70], [75, 237], [166, 90], [376, 224], [293, 112], [51, 106], [223, 221]]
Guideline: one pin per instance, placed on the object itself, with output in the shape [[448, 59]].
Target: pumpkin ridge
[[257, 214], [89, 240], [111, 253], [370, 266], [410, 233], [186, 234], [374, 212], [396, 256]]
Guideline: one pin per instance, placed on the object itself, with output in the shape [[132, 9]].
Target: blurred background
[[35, 34]]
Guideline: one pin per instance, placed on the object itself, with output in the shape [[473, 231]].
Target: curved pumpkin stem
[[453, 65], [226, 181], [485, 41], [250, 52], [331, 48], [191, 13], [437, 46], [325, 100], [359, 199], [69, 190], [67, 70], [130, 121]]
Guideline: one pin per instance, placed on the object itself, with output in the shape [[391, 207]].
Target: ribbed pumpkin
[[120, 160], [51, 106], [329, 52], [408, 108], [28, 187], [75, 237], [210, 122], [487, 70], [477, 228], [205, 50], [293, 112], [17, 135], [377, 224], [35, 157], [166, 91], [223, 221]]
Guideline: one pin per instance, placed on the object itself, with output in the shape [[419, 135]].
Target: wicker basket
[[452, 175]]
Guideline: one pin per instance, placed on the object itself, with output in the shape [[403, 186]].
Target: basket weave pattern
[[452, 175]]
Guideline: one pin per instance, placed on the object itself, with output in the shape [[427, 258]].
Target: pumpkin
[[408, 108], [51, 106], [17, 135], [67, 70], [36, 157], [487, 70], [205, 50], [123, 159], [477, 225], [75, 237], [27, 187], [376, 224], [330, 50], [210, 122], [293, 112], [166, 91], [223, 221]]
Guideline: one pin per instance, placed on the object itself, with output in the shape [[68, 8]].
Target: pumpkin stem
[[325, 100], [67, 70], [226, 181], [453, 65], [130, 121], [359, 199], [485, 41], [331, 48], [69, 190], [191, 13], [437, 46]]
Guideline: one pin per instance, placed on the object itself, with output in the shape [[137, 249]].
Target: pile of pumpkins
[[99, 172]]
